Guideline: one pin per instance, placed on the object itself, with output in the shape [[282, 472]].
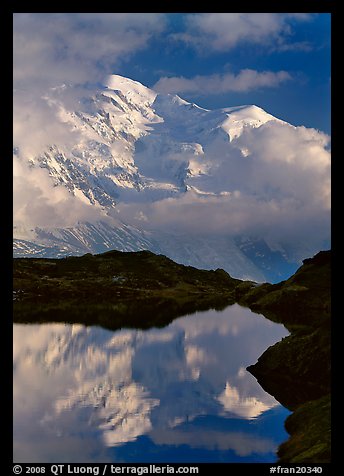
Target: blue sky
[[278, 61], [303, 52]]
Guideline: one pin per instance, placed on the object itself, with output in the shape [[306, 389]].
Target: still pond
[[175, 394]]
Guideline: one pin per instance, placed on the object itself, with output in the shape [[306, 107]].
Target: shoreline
[[297, 370], [145, 290]]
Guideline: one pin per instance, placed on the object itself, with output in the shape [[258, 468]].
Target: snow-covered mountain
[[134, 153]]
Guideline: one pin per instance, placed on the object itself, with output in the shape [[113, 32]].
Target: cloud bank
[[79, 49], [36, 202], [245, 80], [52, 50], [272, 181], [225, 31]]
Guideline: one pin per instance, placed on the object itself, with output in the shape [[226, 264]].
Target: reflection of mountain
[[149, 382], [123, 409], [246, 407]]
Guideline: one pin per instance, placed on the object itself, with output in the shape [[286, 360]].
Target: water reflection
[[90, 394]]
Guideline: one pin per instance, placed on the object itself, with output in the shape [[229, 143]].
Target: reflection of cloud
[[120, 339], [238, 321], [247, 407], [194, 326], [162, 335], [241, 443], [241, 372], [132, 383], [104, 382], [196, 356]]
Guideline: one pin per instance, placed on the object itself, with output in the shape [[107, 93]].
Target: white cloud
[[224, 31], [36, 125], [245, 80], [36, 202], [279, 188], [52, 48], [79, 49]]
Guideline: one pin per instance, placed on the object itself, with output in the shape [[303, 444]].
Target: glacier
[[136, 148]]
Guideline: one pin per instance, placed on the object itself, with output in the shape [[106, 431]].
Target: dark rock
[[297, 370]]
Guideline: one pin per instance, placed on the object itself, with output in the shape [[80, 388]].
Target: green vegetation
[[297, 370], [115, 290], [310, 427], [303, 299], [142, 290]]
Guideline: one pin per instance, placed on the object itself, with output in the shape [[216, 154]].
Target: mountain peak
[[130, 88], [136, 149], [239, 117], [249, 111]]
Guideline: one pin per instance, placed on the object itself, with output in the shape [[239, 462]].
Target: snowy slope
[[133, 139], [201, 252], [136, 146], [83, 238]]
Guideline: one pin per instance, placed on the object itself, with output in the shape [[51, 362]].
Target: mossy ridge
[[304, 357], [310, 427], [304, 298], [115, 289], [297, 370]]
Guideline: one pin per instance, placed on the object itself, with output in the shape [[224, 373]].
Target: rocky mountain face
[[133, 146]]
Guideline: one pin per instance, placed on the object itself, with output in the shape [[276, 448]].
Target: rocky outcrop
[[297, 370]]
